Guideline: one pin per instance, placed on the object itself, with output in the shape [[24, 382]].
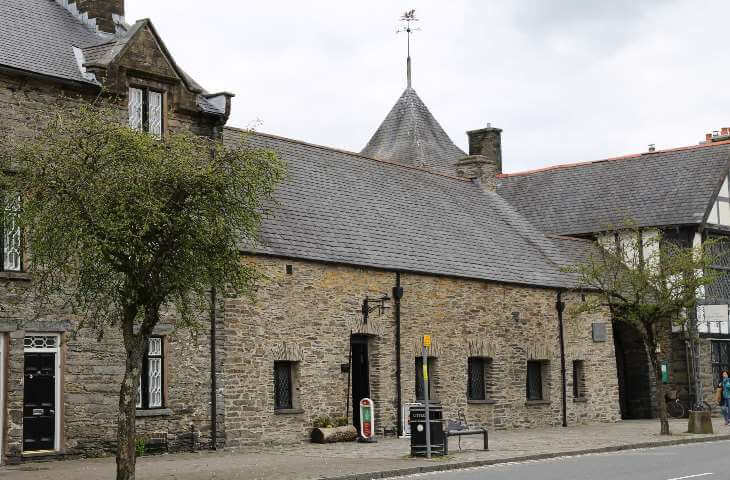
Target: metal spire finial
[[406, 19]]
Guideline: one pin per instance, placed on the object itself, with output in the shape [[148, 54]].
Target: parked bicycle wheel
[[675, 409]]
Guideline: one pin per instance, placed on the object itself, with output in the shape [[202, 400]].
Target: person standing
[[725, 385]]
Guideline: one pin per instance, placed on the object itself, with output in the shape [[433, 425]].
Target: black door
[[360, 376], [39, 411]]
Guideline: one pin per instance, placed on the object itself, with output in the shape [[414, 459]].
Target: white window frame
[[57, 381], [145, 108]]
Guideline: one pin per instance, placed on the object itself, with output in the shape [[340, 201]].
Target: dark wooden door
[[39, 410], [360, 376]]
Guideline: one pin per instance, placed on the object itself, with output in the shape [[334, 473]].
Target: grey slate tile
[[343, 207], [410, 135], [657, 189]]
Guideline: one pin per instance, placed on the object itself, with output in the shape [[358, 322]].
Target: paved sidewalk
[[309, 461]]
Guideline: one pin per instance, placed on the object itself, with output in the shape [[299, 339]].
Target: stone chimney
[[103, 11], [484, 162]]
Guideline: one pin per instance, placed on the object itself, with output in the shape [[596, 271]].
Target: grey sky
[[567, 80]]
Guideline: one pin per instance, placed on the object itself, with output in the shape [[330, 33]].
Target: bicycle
[[675, 408]]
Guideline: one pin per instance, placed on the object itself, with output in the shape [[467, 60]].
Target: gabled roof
[[39, 35], [106, 53], [411, 135], [341, 207], [672, 187]]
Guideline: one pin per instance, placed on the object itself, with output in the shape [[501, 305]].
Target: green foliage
[[139, 447], [117, 223], [323, 421], [645, 280]]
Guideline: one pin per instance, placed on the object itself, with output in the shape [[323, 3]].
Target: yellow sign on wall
[[427, 341]]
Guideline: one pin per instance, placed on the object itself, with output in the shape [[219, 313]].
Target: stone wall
[[316, 308], [91, 369]]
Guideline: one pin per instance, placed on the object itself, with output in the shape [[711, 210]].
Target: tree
[[648, 282], [120, 226]]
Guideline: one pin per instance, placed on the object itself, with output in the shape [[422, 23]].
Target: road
[[701, 461]]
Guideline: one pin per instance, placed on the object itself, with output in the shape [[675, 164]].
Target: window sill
[[22, 276], [155, 412], [41, 453], [530, 403], [481, 402], [580, 400], [288, 411]]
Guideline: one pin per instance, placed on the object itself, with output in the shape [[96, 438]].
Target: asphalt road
[[701, 461]]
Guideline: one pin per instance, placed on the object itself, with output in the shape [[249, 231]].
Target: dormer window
[[145, 110]]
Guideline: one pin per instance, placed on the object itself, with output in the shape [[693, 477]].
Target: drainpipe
[[213, 382], [397, 294], [560, 306]]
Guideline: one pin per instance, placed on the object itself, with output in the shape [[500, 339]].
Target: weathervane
[[406, 19]]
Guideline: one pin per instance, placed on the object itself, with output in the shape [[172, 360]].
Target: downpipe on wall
[[397, 295], [560, 306]]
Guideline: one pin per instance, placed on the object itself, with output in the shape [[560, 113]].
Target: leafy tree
[[648, 282], [120, 226]]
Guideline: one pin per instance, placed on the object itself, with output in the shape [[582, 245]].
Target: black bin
[[417, 421]]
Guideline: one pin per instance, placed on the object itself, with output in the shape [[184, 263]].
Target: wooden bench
[[459, 432]]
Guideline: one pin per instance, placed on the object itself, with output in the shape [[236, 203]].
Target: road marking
[[691, 476]]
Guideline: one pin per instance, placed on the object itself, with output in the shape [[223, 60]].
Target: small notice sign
[[427, 341]]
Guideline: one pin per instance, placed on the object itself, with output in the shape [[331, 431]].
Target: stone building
[[59, 392], [362, 255]]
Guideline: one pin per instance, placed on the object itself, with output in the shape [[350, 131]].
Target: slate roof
[[38, 36], [411, 135], [342, 207], [672, 187]]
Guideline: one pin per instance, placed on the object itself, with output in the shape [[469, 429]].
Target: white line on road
[[691, 476]]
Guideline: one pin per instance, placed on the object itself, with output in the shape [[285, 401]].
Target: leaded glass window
[[12, 248], [720, 358], [712, 314], [283, 387], [419, 378], [150, 392], [579, 379], [534, 381], [155, 113], [136, 106], [40, 341], [146, 110], [477, 374]]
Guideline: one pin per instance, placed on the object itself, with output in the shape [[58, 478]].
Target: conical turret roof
[[410, 135]]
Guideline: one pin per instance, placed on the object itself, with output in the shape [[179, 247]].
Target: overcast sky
[[567, 80]]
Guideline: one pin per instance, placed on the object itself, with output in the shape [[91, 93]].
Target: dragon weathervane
[[407, 19]]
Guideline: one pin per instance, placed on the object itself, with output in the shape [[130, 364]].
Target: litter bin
[[417, 421]]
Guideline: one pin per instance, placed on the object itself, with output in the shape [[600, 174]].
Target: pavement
[[386, 458]]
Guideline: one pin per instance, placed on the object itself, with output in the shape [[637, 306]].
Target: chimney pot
[[652, 147], [102, 11]]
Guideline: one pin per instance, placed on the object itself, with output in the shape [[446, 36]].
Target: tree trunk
[[126, 441], [660, 391], [134, 348], [334, 434]]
